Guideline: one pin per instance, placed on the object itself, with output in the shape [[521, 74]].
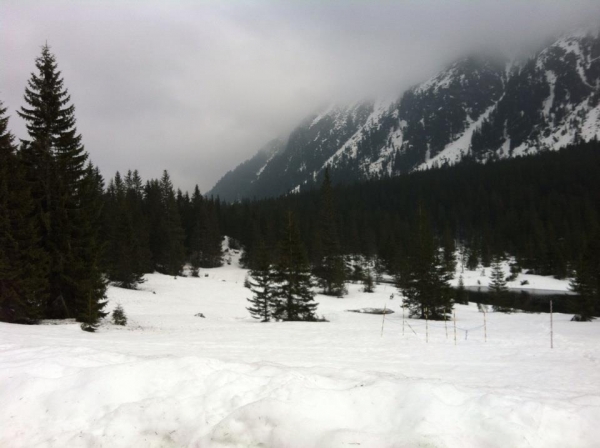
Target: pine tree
[[23, 265], [262, 285], [586, 282], [67, 194], [294, 299], [368, 281], [424, 277], [330, 269], [171, 253], [498, 289], [126, 245], [460, 293], [119, 317]]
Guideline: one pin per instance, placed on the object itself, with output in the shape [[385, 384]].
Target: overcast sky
[[197, 87]]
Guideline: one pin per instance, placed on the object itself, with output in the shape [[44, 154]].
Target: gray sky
[[197, 87]]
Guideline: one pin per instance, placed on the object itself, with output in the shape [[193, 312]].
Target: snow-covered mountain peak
[[489, 107]]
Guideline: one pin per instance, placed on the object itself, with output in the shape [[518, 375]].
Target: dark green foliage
[[586, 282], [166, 234], [67, 192], [294, 299], [203, 234], [498, 288], [23, 264], [127, 250], [539, 209], [262, 286], [460, 295], [330, 269], [118, 316], [368, 281], [423, 279]]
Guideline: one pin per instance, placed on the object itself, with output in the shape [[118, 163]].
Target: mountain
[[486, 107]]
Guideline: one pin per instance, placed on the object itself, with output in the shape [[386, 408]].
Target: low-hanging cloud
[[197, 87]]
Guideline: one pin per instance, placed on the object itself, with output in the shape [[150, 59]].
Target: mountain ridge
[[486, 107]]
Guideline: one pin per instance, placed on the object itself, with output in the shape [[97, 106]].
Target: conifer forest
[[67, 232], [296, 224]]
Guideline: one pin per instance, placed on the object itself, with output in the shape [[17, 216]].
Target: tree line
[[64, 234]]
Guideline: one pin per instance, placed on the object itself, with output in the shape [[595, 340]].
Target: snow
[[482, 277], [440, 81], [350, 147], [455, 150], [551, 79], [172, 379]]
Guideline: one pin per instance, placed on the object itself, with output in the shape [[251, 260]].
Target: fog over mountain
[[198, 87]]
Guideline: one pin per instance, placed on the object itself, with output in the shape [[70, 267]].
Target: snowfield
[[171, 379]]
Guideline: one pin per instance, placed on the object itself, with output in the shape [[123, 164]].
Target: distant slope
[[487, 107]]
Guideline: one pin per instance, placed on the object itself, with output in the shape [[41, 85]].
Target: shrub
[[118, 316]]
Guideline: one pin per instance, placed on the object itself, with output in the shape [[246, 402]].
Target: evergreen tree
[[330, 269], [368, 281], [119, 317], [460, 293], [126, 235], [424, 278], [294, 299], [586, 282], [66, 193], [170, 256], [212, 248], [262, 286], [498, 288], [23, 265]]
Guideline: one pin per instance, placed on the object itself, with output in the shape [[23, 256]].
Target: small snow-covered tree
[[461, 294], [368, 282], [294, 298], [586, 283], [118, 316], [423, 278], [498, 288], [261, 284]]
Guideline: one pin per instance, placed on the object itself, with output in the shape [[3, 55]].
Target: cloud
[[197, 87]]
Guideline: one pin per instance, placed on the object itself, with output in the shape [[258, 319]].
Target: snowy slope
[[173, 379], [483, 106]]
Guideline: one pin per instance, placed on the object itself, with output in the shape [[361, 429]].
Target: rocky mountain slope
[[482, 106]]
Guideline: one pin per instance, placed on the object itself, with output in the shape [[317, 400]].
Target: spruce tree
[[261, 285], [294, 299], [205, 242], [498, 289], [23, 264], [368, 281], [460, 293], [171, 253], [126, 235], [331, 268], [67, 194], [424, 277], [586, 282]]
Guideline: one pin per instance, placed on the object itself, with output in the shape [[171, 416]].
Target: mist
[[198, 87]]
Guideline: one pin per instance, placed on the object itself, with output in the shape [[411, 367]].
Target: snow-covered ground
[[483, 277], [172, 379]]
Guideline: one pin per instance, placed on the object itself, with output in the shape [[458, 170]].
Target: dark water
[[528, 300]]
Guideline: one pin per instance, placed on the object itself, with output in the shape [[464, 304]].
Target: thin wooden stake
[[446, 321], [383, 320], [454, 318], [403, 317], [484, 326], [426, 327], [551, 327]]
